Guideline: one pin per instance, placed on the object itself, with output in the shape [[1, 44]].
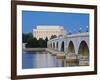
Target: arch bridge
[[74, 44]]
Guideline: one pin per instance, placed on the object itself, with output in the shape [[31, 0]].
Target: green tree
[[53, 36], [42, 43], [25, 37], [46, 40], [32, 42]]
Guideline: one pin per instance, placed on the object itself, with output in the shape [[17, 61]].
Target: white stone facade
[[43, 31], [75, 47], [75, 38]]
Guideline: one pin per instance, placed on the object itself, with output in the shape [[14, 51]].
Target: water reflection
[[41, 60]]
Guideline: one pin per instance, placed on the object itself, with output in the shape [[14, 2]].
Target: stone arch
[[53, 44], [71, 48], [83, 49], [50, 45], [57, 45], [62, 46]]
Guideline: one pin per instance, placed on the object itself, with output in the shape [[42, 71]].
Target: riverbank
[[34, 49], [56, 53]]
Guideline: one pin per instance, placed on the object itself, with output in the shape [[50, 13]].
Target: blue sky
[[71, 21]]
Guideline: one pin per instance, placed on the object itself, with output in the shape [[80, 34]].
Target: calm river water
[[41, 60]]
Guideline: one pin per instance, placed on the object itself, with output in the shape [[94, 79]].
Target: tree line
[[32, 42]]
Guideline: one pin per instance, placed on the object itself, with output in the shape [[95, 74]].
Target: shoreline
[[58, 54], [34, 49]]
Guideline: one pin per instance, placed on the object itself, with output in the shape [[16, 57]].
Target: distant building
[[43, 31]]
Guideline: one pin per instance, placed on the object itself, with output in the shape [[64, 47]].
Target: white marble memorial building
[[43, 31]]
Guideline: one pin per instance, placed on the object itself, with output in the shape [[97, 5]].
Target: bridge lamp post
[[80, 29], [87, 28]]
